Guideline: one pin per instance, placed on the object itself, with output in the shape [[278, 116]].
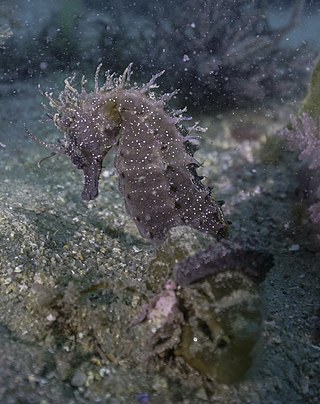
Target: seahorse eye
[[111, 110]]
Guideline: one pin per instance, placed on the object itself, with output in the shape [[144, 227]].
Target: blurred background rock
[[220, 54]]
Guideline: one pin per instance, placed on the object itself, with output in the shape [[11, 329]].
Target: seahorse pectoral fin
[[91, 180]]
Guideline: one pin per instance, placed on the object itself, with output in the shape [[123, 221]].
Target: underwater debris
[[211, 313], [154, 159], [5, 34], [222, 308], [225, 255], [223, 322]]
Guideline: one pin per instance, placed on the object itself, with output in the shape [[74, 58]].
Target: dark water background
[[219, 54], [74, 275]]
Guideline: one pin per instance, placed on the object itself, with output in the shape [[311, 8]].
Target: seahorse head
[[90, 125]]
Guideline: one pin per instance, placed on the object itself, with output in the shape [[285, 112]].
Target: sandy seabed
[[51, 243]]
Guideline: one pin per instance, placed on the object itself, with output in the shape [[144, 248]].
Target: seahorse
[[154, 156]]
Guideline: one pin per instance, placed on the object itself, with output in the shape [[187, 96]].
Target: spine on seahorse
[[154, 161]]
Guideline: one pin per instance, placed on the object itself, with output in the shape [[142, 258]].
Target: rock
[[79, 378]]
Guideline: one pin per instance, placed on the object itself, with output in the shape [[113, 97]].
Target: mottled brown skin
[[159, 190], [157, 173]]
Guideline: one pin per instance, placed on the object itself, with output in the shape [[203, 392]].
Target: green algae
[[223, 325], [311, 103]]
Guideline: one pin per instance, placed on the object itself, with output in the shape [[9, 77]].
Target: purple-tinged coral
[[315, 212], [154, 159], [304, 137]]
